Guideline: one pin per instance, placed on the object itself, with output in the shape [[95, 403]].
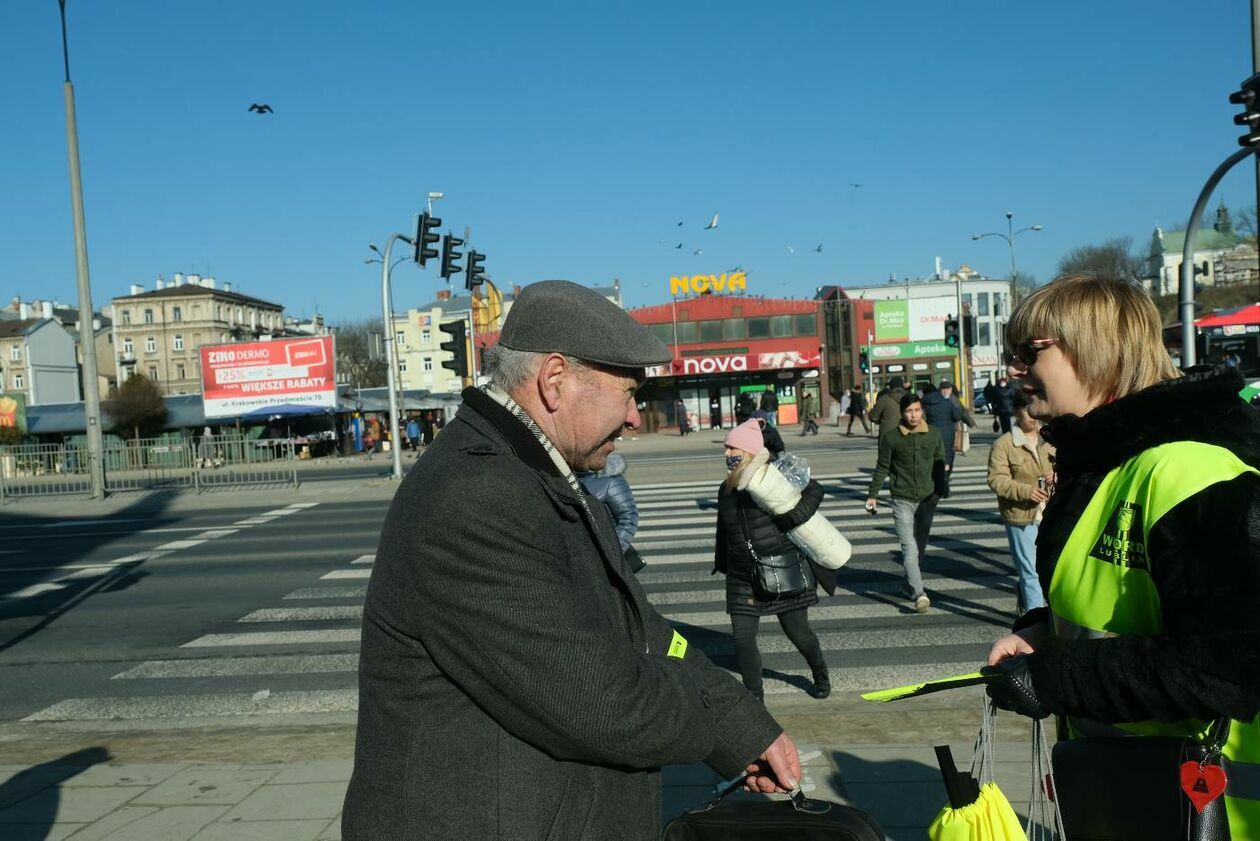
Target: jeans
[[914, 522], [1023, 542], [865, 424], [795, 624]]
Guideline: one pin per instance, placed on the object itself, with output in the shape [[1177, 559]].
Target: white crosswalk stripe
[[301, 656]]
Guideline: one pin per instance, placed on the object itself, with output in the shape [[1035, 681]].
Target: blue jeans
[[913, 521], [1023, 542]]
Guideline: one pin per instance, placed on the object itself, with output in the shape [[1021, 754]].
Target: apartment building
[[158, 333], [37, 360]]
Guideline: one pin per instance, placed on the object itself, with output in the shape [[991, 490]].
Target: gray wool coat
[[514, 682]]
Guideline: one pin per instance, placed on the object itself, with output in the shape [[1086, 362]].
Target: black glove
[[1013, 690]]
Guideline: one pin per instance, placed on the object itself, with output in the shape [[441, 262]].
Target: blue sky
[[572, 137]]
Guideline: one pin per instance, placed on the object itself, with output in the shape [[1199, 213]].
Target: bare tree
[[1114, 258], [355, 357], [1025, 284], [137, 408], [1245, 224]]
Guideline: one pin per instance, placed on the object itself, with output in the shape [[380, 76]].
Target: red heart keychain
[[1202, 783]]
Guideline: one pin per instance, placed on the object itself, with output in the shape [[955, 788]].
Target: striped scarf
[[521, 415]]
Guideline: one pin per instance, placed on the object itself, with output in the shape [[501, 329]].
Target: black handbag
[[798, 819], [1129, 788], [779, 576]]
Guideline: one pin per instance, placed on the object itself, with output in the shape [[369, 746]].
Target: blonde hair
[[1109, 330]]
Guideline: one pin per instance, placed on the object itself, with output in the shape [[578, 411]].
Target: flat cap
[[946, 384], [557, 316]]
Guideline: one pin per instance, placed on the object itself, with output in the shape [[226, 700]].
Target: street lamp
[[391, 354], [87, 332], [1009, 236]]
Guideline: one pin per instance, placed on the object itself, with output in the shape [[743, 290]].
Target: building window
[[758, 328], [664, 332], [710, 331], [999, 303], [805, 324], [150, 345], [983, 300], [176, 314], [734, 329], [780, 326], [240, 314], [219, 312], [18, 381], [986, 336], [126, 316], [400, 339], [179, 342], [128, 348], [148, 316], [425, 336], [153, 373], [15, 352], [179, 371], [966, 304], [428, 363], [686, 332]]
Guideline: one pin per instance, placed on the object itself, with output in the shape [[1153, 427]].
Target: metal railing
[[148, 464]]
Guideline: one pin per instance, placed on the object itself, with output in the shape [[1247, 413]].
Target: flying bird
[[679, 245], [712, 223], [791, 250], [698, 252], [261, 109], [680, 223], [854, 185], [819, 248]]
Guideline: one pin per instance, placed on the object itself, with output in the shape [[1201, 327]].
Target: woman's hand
[[1008, 646]]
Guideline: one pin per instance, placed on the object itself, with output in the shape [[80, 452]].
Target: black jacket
[[740, 521], [1204, 558], [514, 681]]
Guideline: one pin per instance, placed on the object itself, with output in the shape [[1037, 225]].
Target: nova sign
[[703, 283]]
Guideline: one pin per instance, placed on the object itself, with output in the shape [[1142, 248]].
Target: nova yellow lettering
[[699, 283], [719, 282], [738, 281], [678, 285]]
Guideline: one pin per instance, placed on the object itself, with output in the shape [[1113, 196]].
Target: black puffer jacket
[[1204, 559], [740, 520]]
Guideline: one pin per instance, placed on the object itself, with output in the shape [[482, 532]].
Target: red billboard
[[239, 379]]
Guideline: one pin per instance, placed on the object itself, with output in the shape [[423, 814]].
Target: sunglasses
[[1026, 352]]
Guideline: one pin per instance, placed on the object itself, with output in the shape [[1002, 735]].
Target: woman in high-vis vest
[[1149, 549]]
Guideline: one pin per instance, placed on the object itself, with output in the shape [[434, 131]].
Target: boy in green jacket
[[913, 457]]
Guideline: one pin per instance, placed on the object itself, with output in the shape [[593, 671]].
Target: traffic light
[[864, 362], [474, 272], [971, 330], [951, 332], [456, 347], [1249, 98], [426, 235], [450, 257]]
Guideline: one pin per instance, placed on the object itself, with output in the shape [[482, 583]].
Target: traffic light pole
[[1189, 351], [391, 356]]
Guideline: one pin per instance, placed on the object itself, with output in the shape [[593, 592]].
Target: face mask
[[733, 462]]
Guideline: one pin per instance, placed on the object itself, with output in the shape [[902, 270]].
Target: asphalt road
[[157, 621]]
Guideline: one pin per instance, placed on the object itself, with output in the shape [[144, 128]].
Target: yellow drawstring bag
[[989, 818]]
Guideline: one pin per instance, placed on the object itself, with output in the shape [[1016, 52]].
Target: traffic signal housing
[[450, 257], [1249, 98], [951, 332], [864, 362], [475, 270], [457, 347], [971, 330], [426, 235]]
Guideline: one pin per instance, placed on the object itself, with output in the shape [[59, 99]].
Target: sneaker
[[921, 604], [822, 685]]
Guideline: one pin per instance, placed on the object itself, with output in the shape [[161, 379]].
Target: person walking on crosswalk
[[912, 455], [747, 535]]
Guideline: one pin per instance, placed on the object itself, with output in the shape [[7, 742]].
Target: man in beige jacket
[[1019, 472]]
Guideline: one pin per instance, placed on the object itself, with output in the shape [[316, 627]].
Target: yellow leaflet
[[678, 646]]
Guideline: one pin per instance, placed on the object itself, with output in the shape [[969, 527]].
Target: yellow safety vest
[[1102, 587]]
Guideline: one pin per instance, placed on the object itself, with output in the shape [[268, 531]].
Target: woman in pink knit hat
[[747, 534]]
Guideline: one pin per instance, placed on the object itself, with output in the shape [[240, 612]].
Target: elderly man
[[514, 680]]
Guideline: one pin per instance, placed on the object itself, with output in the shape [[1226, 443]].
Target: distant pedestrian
[[944, 412], [770, 405], [610, 487], [1019, 473], [1003, 404], [680, 412], [912, 456], [745, 534], [809, 415], [715, 412], [745, 406], [857, 410], [206, 448], [413, 433], [886, 413]]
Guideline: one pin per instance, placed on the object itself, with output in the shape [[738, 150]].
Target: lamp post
[[1009, 236], [391, 355], [87, 333]]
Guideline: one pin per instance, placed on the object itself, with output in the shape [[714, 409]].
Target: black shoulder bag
[[778, 576]]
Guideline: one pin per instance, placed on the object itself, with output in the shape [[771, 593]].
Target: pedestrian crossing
[[299, 656]]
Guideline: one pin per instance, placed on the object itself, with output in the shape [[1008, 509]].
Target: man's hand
[[1038, 495], [1011, 645], [777, 770], [871, 505]]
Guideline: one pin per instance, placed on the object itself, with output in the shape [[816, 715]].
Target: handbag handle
[[796, 797]]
